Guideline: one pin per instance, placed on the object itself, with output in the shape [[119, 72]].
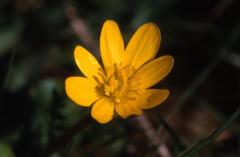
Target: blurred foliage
[[37, 39], [6, 150]]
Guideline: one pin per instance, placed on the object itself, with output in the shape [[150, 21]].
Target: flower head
[[122, 85]]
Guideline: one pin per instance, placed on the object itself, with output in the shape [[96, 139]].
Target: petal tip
[[81, 91], [67, 81], [101, 121], [154, 26], [171, 61], [110, 22], [67, 86], [155, 97], [167, 92], [77, 49], [102, 111]]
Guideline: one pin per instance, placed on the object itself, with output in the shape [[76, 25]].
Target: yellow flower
[[121, 87]]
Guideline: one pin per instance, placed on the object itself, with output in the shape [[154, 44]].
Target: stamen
[[117, 100], [117, 83]]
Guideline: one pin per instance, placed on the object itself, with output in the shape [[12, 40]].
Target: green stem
[[9, 69], [200, 145]]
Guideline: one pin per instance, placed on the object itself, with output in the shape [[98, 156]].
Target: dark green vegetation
[[200, 118]]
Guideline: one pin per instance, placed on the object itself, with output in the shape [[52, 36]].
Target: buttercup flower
[[121, 86]]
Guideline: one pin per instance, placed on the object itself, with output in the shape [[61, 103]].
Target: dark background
[[37, 38]]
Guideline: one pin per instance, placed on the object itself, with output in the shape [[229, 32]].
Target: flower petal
[[143, 46], [86, 62], [103, 110], [111, 44], [154, 71], [81, 90], [153, 97], [128, 108]]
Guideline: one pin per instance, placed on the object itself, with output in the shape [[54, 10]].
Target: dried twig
[[162, 149], [234, 59], [222, 6], [79, 26]]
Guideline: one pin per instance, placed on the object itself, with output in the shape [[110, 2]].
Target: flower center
[[117, 83]]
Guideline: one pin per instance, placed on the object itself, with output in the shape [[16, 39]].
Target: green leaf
[[6, 150], [9, 36]]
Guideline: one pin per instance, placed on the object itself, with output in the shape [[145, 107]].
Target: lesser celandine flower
[[121, 86]]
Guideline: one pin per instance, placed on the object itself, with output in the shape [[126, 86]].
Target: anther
[[117, 100]]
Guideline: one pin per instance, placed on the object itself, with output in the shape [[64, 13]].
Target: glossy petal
[[128, 108], [103, 110], [143, 46], [81, 90], [86, 62], [153, 97], [111, 44], [154, 71]]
